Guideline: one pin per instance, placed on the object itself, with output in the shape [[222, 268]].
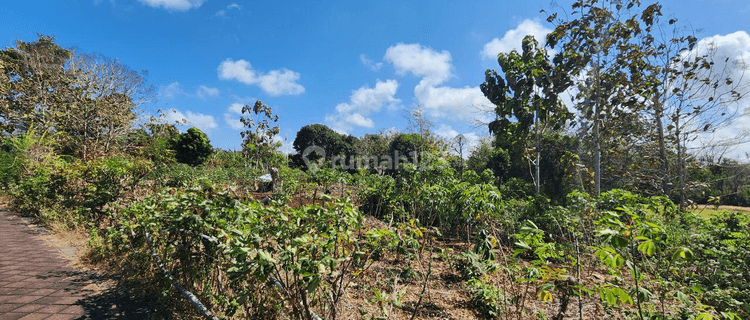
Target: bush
[[406, 147], [192, 147]]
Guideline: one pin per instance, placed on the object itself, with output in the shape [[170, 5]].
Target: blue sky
[[356, 66]]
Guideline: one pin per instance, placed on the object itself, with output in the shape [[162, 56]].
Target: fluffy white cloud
[[435, 68], [362, 103], [201, 121], [369, 63], [513, 38], [466, 104], [204, 92], [174, 5], [275, 82]]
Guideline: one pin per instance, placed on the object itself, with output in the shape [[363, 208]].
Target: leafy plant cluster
[[244, 258]]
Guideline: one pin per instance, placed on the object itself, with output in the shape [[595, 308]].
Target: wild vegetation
[[584, 214]]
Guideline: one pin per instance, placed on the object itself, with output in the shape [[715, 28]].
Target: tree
[[407, 147], [485, 156], [33, 76], [693, 93], [88, 100], [259, 134], [100, 104], [317, 137], [528, 93], [192, 147], [604, 52], [458, 144]]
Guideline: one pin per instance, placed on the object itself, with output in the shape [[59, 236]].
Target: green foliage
[[258, 142], [486, 298], [472, 265], [722, 245], [192, 147], [528, 92], [327, 140], [70, 191], [37, 70], [432, 194], [486, 157], [154, 141], [306, 253], [407, 148]]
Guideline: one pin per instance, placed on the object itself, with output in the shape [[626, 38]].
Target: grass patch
[[708, 211]]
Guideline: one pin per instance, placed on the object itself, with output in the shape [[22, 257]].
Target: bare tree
[[695, 92]]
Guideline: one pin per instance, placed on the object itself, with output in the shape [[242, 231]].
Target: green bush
[[192, 147], [407, 148]]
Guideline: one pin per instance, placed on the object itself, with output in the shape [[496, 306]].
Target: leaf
[[545, 295], [682, 252], [624, 296], [647, 247], [704, 316]]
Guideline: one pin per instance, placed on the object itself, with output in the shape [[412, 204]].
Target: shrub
[[192, 147]]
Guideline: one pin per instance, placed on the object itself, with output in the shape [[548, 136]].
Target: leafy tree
[[603, 52], [258, 137], [487, 157], [376, 145], [528, 93], [33, 74], [323, 137], [88, 100], [192, 147], [407, 147]]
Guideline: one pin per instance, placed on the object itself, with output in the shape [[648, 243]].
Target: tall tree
[[33, 74], [603, 50], [694, 91], [100, 104], [88, 100], [526, 98]]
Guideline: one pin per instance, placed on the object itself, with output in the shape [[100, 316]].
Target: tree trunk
[[537, 181], [658, 114]]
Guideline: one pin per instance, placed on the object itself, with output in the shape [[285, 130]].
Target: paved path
[[36, 281]]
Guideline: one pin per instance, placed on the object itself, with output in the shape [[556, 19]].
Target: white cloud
[[513, 38], [174, 5], [362, 103], [275, 82], [201, 121], [171, 90], [467, 103], [435, 68], [232, 116], [231, 6], [369, 63], [359, 120], [204, 92]]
